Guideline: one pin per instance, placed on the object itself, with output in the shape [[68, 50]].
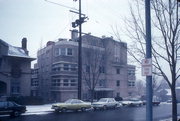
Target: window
[[63, 51], [117, 71], [3, 104], [34, 82], [131, 72], [131, 83], [87, 69], [56, 52], [73, 68], [117, 94], [65, 82], [118, 83], [73, 82], [101, 69], [15, 89], [101, 83], [69, 51], [66, 67], [56, 82], [130, 93]]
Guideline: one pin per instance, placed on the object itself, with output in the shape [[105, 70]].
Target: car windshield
[[103, 100], [68, 101]]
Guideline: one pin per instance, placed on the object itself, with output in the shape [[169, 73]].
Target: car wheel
[[57, 110], [115, 106], [83, 109], [15, 114], [104, 107], [63, 109]]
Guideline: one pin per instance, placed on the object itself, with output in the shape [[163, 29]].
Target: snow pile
[[38, 109]]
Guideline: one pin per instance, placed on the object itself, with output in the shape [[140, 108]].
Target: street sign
[[146, 67]]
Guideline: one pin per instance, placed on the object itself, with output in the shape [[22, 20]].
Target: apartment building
[[104, 69]]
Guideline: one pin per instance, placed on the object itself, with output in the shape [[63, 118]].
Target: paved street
[[44, 113]]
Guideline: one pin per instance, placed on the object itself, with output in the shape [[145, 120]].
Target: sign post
[[146, 67]]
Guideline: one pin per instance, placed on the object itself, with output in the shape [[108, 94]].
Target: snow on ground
[[38, 109], [170, 119]]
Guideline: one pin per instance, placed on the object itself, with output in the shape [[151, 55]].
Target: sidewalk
[[170, 119]]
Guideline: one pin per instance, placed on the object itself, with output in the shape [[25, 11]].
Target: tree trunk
[[92, 95], [174, 104]]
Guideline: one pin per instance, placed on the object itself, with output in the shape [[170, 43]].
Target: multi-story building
[[15, 69], [104, 68], [131, 80], [35, 81]]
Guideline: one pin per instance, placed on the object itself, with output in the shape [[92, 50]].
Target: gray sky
[[40, 21]]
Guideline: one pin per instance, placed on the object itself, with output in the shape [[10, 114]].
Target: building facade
[[15, 69], [104, 69]]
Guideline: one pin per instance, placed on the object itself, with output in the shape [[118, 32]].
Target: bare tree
[[92, 67], [140, 87], [165, 40]]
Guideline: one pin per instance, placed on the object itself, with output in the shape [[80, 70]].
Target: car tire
[[57, 110], [15, 114], [104, 107], [63, 110], [83, 109], [115, 106]]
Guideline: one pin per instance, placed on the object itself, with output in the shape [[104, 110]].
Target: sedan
[[71, 104], [132, 102], [105, 103], [11, 108]]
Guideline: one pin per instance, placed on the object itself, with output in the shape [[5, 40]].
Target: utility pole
[[79, 22], [80, 55], [149, 114]]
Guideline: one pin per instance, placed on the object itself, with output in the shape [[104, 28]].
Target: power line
[[65, 6]]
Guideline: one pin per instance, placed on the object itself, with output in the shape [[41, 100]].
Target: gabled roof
[[16, 51], [4, 43]]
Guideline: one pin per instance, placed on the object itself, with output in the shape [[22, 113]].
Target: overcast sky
[[41, 21]]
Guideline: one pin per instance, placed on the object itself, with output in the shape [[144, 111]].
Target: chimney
[[24, 45], [74, 34]]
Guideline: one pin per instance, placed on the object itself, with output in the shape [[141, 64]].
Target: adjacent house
[[15, 69]]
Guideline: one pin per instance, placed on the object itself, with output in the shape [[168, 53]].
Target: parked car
[[132, 102], [105, 103], [11, 108], [155, 103], [71, 104]]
